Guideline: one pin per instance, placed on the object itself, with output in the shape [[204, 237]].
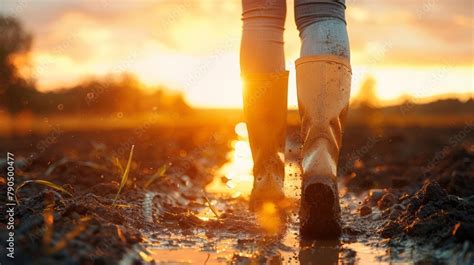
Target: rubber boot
[[323, 84], [265, 108]]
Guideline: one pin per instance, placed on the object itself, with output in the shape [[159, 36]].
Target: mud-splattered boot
[[323, 83], [265, 108]]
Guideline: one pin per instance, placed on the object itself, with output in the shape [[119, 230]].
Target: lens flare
[[268, 218]]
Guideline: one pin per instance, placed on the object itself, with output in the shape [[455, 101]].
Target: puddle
[[237, 171], [234, 180]]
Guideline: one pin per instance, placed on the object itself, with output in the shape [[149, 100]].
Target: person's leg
[[322, 27], [323, 77], [261, 49], [265, 94]]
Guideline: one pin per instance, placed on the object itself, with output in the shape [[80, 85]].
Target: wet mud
[[406, 196]]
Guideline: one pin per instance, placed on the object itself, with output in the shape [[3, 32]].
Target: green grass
[[41, 182], [214, 211], [125, 174], [159, 173]]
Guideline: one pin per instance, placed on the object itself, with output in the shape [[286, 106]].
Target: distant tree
[[104, 95], [111, 94], [367, 96], [406, 99], [15, 91]]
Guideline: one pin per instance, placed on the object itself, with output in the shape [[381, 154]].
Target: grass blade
[[116, 162], [70, 235], [53, 166], [92, 165], [41, 182], [124, 205], [209, 204], [125, 174], [161, 171]]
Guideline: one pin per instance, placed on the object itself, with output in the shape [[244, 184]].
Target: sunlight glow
[[193, 48], [268, 218], [235, 178], [237, 174]]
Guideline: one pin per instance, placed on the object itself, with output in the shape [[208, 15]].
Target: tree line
[[109, 94]]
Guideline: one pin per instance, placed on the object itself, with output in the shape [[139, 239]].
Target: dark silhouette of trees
[[367, 96], [16, 92], [110, 94]]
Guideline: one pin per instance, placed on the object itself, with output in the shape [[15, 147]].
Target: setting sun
[[183, 46], [237, 132]]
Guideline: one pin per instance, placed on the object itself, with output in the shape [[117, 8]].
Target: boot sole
[[319, 220]]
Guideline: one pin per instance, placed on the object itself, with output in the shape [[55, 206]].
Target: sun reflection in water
[[236, 175], [235, 178]]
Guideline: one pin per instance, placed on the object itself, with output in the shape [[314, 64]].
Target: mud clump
[[455, 172], [89, 225], [452, 168], [431, 215], [365, 210], [387, 201]]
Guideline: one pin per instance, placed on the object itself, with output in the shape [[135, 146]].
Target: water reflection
[[235, 177], [235, 180], [319, 252]]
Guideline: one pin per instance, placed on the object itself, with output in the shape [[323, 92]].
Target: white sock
[[325, 37]]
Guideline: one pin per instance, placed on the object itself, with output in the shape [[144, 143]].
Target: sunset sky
[[422, 48]]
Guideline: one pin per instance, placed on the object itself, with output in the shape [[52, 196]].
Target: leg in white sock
[[325, 37]]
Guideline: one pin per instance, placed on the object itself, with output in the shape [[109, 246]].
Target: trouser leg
[[261, 49]]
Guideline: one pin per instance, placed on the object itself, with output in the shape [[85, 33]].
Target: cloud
[[421, 32], [84, 37]]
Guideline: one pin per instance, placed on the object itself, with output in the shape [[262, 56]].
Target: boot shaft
[[323, 84], [265, 108]]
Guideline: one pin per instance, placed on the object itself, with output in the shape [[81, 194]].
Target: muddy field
[[407, 196]]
